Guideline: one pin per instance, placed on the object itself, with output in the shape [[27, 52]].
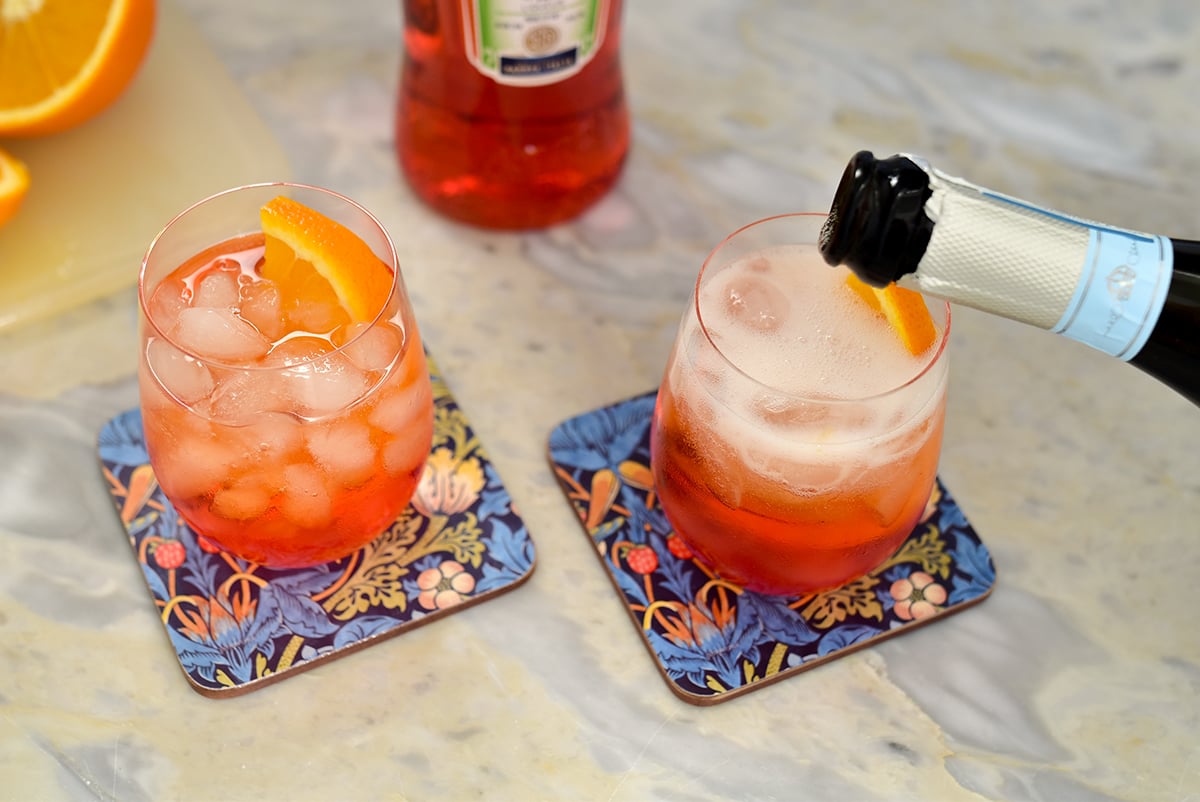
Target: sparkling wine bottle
[[1132, 295], [511, 113]]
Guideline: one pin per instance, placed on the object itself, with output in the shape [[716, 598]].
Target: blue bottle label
[[1121, 291]]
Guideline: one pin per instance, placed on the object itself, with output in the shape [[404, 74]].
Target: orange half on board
[[64, 61], [904, 309]]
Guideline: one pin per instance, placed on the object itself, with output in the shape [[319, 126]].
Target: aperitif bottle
[[1132, 295], [511, 113]]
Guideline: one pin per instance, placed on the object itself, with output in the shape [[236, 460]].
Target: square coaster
[[710, 638], [236, 626]]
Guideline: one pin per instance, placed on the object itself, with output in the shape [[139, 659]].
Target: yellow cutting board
[[100, 192]]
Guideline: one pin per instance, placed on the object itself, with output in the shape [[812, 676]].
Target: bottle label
[[1121, 288], [1120, 293], [532, 42]]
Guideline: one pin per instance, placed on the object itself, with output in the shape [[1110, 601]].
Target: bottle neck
[[1187, 256]]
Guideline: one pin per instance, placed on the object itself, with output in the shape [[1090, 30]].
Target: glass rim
[[935, 353], [380, 316]]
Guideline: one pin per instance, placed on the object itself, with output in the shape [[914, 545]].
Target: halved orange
[[14, 184], [309, 255], [904, 309], [64, 61]]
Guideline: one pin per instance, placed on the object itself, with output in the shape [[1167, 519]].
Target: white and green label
[[532, 42]]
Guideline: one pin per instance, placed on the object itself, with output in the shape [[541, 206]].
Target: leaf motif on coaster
[[855, 598], [450, 429], [377, 580], [929, 550], [462, 540]]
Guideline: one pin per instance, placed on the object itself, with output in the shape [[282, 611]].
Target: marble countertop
[[1078, 679]]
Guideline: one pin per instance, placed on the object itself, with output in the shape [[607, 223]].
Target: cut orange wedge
[[64, 61], [316, 259], [904, 309], [14, 184]]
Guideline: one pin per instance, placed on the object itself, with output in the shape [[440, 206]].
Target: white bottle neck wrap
[[1096, 284]]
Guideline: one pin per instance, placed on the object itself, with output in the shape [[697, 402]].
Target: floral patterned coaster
[[712, 639], [236, 626]]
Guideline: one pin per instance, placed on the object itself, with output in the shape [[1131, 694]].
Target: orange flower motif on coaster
[[444, 586], [449, 484], [918, 596]]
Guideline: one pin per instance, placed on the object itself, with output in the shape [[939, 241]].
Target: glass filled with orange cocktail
[[797, 430], [285, 399]]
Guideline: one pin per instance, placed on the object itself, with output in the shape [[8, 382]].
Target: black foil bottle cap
[[877, 224]]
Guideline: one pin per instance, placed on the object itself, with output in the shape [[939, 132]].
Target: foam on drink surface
[[793, 324], [818, 411]]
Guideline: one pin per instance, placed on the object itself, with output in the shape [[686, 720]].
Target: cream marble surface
[[1079, 679]]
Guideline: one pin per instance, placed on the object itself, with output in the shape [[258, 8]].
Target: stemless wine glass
[[795, 438], [279, 428]]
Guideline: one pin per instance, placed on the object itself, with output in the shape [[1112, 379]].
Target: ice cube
[[395, 412], [756, 302], [240, 397], [297, 350], [192, 467], [790, 413], [218, 334], [167, 300], [327, 384], [273, 436], [218, 288], [405, 453], [185, 378], [376, 346], [305, 501], [260, 305], [344, 451], [242, 501]]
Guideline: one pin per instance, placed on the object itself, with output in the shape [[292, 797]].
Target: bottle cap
[[877, 224]]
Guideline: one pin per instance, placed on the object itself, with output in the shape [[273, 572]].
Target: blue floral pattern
[[236, 625], [711, 638]]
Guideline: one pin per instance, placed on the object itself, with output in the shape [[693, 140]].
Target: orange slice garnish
[[64, 61], [14, 184], [904, 309], [319, 261]]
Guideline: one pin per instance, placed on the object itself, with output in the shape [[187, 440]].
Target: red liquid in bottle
[[501, 156]]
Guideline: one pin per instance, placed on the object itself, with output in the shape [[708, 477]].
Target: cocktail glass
[[283, 447], [795, 441]]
